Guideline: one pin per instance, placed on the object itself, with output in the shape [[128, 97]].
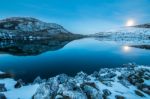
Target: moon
[[130, 23]]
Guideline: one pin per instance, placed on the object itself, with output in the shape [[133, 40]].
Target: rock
[[136, 77], [92, 84], [43, 92], [139, 93], [119, 97], [95, 74], [38, 80], [2, 88], [84, 86], [70, 85], [145, 88], [48, 89], [107, 83], [146, 75], [59, 97], [91, 92], [81, 77], [62, 78], [19, 84], [106, 92], [107, 77], [124, 82], [120, 77], [130, 65], [74, 95], [2, 96]]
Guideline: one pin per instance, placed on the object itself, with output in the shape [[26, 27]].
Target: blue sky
[[80, 16]]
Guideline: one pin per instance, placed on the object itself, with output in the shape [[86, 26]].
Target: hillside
[[130, 35], [27, 28]]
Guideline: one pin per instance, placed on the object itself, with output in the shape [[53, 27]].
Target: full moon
[[130, 23]]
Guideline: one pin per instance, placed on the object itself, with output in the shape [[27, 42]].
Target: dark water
[[28, 60]]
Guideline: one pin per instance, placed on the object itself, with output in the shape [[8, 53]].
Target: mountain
[[139, 34], [30, 28], [147, 25]]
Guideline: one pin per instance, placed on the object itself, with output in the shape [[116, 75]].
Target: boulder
[[74, 95], [62, 78], [91, 92], [119, 97], [59, 97], [106, 92], [2, 88], [139, 93], [38, 80], [2, 96], [19, 83]]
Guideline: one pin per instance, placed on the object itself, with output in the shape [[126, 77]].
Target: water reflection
[[126, 48], [26, 48], [86, 55]]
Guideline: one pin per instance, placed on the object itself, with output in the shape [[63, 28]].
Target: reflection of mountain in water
[[24, 47]]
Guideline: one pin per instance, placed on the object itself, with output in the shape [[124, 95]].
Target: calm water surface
[[86, 55]]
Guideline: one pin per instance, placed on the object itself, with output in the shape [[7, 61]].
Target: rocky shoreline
[[129, 82]]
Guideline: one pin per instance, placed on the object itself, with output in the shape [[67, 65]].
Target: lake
[[27, 60]]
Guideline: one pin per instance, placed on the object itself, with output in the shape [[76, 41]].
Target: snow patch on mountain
[[127, 35]]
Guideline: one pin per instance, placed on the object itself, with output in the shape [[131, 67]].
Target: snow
[[25, 92], [147, 82], [116, 87], [127, 35], [9, 83]]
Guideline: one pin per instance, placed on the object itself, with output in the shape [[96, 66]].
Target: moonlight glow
[[130, 23], [126, 48]]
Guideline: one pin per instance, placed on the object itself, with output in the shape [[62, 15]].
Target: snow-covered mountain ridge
[[129, 35], [30, 28]]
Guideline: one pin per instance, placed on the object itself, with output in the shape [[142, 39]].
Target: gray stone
[[19, 84], [2, 88], [106, 92], [2, 96], [38, 80], [59, 97], [74, 95], [119, 97], [91, 92], [139, 93]]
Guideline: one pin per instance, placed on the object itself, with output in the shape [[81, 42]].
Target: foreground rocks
[[2, 88], [128, 82], [105, 84], [2, 96]]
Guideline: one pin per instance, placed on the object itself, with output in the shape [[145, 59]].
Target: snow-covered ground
[[128, 35], [129, 82]]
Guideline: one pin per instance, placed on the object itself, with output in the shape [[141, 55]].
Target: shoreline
[[131, 81]]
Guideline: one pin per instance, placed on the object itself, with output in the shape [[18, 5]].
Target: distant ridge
[[147, 25]]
